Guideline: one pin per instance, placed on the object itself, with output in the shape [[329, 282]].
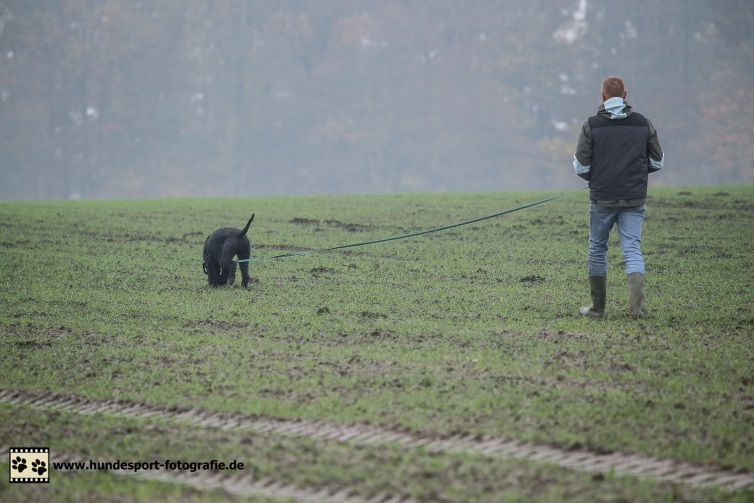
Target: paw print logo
[[29, 465], [39, 467], [19, 464]]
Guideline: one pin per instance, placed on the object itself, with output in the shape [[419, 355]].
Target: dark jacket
[[616, 150]]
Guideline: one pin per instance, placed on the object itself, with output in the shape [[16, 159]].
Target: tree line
[[125, 98]]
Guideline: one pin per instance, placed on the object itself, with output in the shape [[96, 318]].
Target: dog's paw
[[251, 280]]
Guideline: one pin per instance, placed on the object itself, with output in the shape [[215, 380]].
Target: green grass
[[471, 330]]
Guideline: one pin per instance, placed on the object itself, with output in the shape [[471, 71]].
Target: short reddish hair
[[613, 87]]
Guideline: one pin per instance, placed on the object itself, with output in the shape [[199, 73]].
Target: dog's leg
[[213, 273], [244, 272], [228, 265], [232, 273]]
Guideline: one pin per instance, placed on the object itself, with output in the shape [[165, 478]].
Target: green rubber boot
[[636, 294], [598, 289]]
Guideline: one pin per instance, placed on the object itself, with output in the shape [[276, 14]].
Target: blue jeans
[[629, 220]]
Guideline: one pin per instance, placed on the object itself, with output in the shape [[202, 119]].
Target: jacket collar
[[615, 108]]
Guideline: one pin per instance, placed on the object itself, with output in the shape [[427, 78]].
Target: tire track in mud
[[240, 485], [492, 447]]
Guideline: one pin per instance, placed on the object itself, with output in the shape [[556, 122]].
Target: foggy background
[[128, 98]]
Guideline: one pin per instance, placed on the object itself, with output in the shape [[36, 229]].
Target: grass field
[[473, 331]]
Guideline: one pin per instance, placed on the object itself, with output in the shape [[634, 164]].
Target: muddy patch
[[192, 238], [303, 221], [558, 220], [350, 227], [366, 336], [215, 326], [33, 334], [33, 345], [533, 279], [318, 271]]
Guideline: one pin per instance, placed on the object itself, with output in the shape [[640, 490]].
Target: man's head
[[613, 87]]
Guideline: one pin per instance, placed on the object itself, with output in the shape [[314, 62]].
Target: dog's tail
[[243, 231]]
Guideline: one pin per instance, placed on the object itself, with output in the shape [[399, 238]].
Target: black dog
[[220, 248]]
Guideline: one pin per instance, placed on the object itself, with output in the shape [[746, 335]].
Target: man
[[617, 149]]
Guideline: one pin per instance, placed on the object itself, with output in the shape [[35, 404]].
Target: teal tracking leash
[[414, 234]]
